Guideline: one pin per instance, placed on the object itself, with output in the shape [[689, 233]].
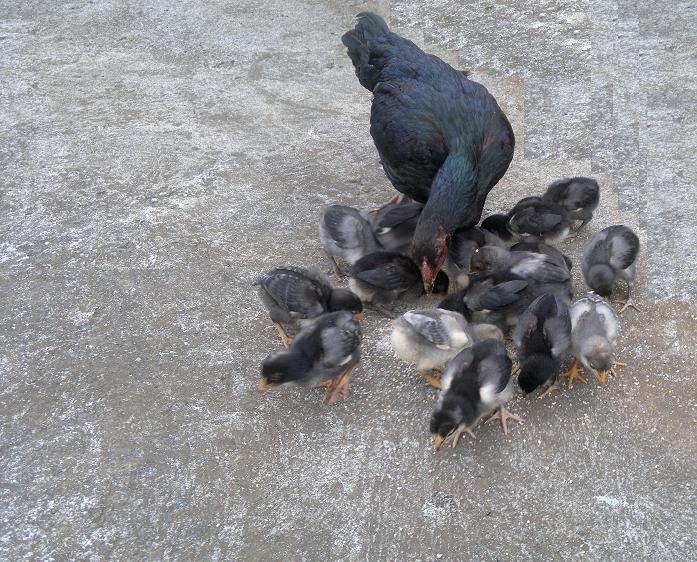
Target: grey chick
[[323, 354], [498, 299], [594, 327], [463, 245], [542, 248], [380, 278], [297, 296], [476, 382], [429, 338], [532, 219], [346, 234], [580, 196], [542, 339], [609, 256], [394, 225], [546, 273]]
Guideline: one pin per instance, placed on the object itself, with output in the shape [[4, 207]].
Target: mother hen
[[442, 138]]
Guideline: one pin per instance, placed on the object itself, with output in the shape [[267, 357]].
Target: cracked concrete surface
[[156, 157]]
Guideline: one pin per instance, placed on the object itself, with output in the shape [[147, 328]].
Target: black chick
[[542, 248], [610, 255], [382, 277], [498, 299], [296, 295], [532, 219], [345, 233], [545, 272], [580, 196], [442, 138], [542, 339], [324, 354], [463, 246], [476, 382], [498, 224], [394, 225]]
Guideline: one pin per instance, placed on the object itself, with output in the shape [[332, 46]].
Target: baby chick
[[296, 295], [476, 382], [610, 255], [345, 233], [542, 339], [463, 245], [394, 224], [580, 196], [532, 219], [429, 338], [545, 273], [380, 278], [542, 248], [594, 326], [496, 299], [323, 354], [536, 219], [498, 224]]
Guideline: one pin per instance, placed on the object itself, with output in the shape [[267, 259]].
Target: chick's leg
[[573, 374], [551, 388], [458, 433], [326, 384], [337, 270], [341, 385], [503, 415], [629, 303], [285, 338]]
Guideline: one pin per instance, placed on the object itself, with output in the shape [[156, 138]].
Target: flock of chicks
[[504, 277]]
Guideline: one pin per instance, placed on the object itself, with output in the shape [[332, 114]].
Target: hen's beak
[[264, 385], [438, 441], [429, 280], [360, 316]]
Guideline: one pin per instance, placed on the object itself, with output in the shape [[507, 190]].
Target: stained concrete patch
[[157, 157]]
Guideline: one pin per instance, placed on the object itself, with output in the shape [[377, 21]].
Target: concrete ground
[[157, 156]]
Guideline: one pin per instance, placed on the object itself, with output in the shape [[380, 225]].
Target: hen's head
[[430, 255]]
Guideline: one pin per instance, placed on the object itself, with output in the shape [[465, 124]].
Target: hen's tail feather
[[360, 42]]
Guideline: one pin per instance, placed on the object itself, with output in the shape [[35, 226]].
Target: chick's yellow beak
[[438, 441]]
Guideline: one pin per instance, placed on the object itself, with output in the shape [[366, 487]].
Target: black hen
[[442, 138]]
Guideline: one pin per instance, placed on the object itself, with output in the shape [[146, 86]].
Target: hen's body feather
[[442, 138]]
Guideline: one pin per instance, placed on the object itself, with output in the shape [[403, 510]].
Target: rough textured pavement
[[156, 156]]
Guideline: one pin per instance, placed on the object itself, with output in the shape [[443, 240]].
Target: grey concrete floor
[[156, 157]]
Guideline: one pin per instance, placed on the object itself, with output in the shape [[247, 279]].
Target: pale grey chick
[[429, 338], [594, 328]]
